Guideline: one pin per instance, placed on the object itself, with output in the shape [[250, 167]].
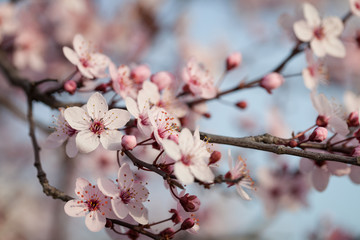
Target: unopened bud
[[140, 73], [162, 79], [108, 223], [128, 142], [167, 233], [272, 81], [101, 88], [228, 175], [190, 203], [187, 224], [293, 143], [353, 119], [318, 135], [241, 104], [322, 121], [214, 157], [175, 218], [207, 115], [233, 61], [357, 135], [133, 235], [70, 86]]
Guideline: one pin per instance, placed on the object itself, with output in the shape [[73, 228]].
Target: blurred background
[[165, 34]]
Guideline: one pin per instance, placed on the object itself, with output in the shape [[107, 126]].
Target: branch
[[137, 228], [269, 143]]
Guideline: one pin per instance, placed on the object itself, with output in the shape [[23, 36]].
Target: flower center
[[85, 62], [357, 5], [97, 127], [125, 196], [186, 160], [319, 33], [93, 204], [69, 130]]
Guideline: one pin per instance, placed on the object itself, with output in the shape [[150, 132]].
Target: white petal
[[95, 221], [87, 141], [334, 47], [186, 141], [74, 208], [152, 91], [111, 139], [138, 212], [125, 177], [108, 187], [120, 209], [132, 107], [320, 179], [311, 15], [183, 173], [79, 45], [306, 165], [55, 139], [338, 125], [116, 118], [333, 26], [303, 31], [202, 171], [71, 149], [242, 193], [317, 47], [71, 55], [171, 149], [97, 106], [141, 192], [84, 71], [355, 174], [309, 81], [77, 118], [337, 168]]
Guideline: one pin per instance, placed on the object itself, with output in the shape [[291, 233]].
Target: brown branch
[[269, 143], [137, 228]]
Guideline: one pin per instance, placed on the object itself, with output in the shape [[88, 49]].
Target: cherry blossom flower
[[351, 102], [90, 203], [355, 7], [321, 171], [355, 174], [239, 171], [90, 63], [164, 125], [330, 113], [8, 24], [199, 80], [127, 198], [121, 81], [322, 34], [63, 132], [97, 124], [183, 214], [315, 72], [162, 79], [190, 156]]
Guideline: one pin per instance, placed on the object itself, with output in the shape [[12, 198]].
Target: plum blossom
[[330, 114], [164, 125], [96, 124], [323, 34], [198, 79], [239, 171], [321, 170], [355, 7], [315, 72], [127, 197], [121, 81], [190, 156], [63, 132], [89, 62], [183, 214], [355, 174], [90, 203]]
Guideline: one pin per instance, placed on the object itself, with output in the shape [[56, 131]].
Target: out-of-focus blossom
[[355, 173], [128, 142], [323, 35], [162, 79], [140, 73], [88, 60], [233, 61], [164, 125], [315, 72], [355, 7], [8, 24], [97, 124], [121, 81], [272, 81], [318, 135]]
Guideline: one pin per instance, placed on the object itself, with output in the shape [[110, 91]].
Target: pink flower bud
[[140, 73], [190, 203], [233, 61], [241, 104], [228, 175], [175, 218], [70, 86], [162, 79], [187, 224], [353, 119], [318, 135], [167, 233], [356, 152], [293, 143], [322, 121], [214, 157], [128, 142], [272, 81]]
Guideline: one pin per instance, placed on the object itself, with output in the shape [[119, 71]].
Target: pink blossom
[[90, 62], [233, 60], [63, 132], [127, 197], [191, 157], [140, 73], [318, 135], [315, 72], [90, 203], [164, 125], [70, 86], [199, 80], [355, 7], [272, 81], [128, 142], [322, 34], [321, 171], [355, 173], [97, 124], [121, 81], [8, 25], [162, 79]]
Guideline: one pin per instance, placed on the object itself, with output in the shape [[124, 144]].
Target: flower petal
[[138, 212], [320, 178], [337, 168], [80, 45], [202, 171], [95, 221], [141, 192], [242, 193], [125, 177], [108, 187], [186, 141], [309, 81], [183, 173], [77, 118], [333, 26], [306, 165], [74, 208], [71, 55], [338, 125], [171, 149], [132, 107], [355, 174], [71, 149], [55, 139], [116, 118], [97, 106], [120, 209], [334, 47], [111, 139], [303, 31], [317, 47], [311, 15], [87, 141]]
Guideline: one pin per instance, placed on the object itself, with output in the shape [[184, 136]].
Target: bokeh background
[[165, 34]]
